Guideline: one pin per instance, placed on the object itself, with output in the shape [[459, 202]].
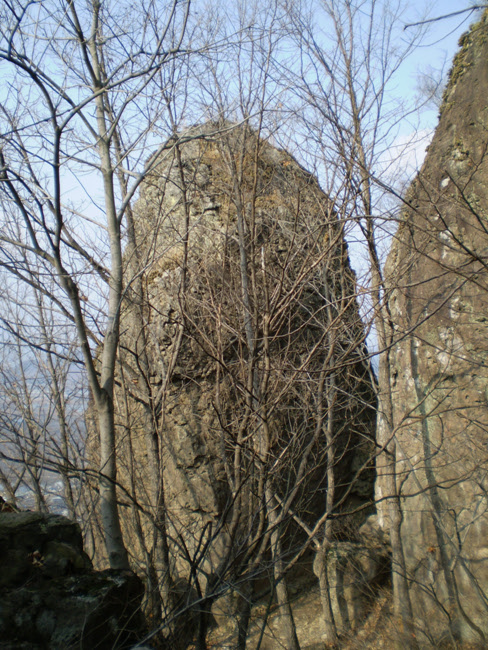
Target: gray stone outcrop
[[232, 439], [49, 595], [438, 272]]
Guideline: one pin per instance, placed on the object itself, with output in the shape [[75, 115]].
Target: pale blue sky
[[435, 55], [441, 43]]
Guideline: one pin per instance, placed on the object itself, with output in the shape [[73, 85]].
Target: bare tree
[[42, 402], [343, 79], [80, 78], [346, 112]]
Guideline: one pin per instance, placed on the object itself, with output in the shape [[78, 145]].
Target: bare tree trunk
[[386, 439], [244, 616], [285, 614], [321, 568], [321, 571], [116, 550], [58, 397], [111, 75], [159, 575]]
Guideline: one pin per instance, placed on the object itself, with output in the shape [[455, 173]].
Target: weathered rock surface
[[359, 574], [256, 365], [439, 266], [49, 595], [295, 252]]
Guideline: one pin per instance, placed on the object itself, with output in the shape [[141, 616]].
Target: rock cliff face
[[261, 400], [49, 595], [438, 268]]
